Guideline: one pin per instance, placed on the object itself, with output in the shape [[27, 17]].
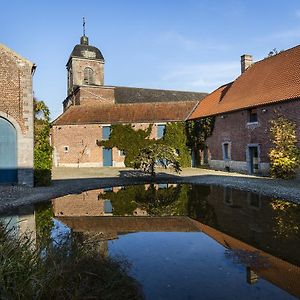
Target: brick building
[[91, 108], [16, 118], [243, 110]]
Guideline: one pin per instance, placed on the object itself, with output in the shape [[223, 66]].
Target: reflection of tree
[[287, 219], [44, 222], [171, 201], [199, 208], [161, 201]]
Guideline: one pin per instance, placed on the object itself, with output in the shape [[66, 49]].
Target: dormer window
[[253, 115], [88, 76]]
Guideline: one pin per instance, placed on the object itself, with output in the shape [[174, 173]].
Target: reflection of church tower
[[85, 65]]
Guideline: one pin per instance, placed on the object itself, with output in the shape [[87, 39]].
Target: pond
[[183, 241]]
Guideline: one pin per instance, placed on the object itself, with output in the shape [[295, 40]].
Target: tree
[[42, 147], [285, 155], [157, 154], [197, 132]]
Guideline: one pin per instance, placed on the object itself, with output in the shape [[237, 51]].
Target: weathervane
[[83, 25]]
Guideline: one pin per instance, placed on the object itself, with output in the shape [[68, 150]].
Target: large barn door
[[8, 152]]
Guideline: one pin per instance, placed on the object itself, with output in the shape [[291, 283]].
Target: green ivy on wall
[[175, 136], [130, 141], [182, 136]]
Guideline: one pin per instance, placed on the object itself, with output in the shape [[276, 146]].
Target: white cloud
[[190, 44], [202, 77], [287, 35]]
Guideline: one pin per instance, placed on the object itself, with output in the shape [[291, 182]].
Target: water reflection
[[254, 233]]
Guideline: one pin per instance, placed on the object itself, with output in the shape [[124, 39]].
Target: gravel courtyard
[[75, 180]]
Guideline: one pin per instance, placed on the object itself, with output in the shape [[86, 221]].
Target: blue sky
[[170, 44]]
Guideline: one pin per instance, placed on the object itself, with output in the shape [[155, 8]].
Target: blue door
[[107, 157], [8, 152]]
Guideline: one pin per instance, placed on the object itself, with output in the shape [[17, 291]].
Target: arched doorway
[[8, 152]]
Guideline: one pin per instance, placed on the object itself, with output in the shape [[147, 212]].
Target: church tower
[[85, 66]]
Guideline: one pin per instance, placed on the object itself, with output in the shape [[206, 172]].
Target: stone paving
[[75, 180]]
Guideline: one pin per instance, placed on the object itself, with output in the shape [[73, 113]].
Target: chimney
[[246, 62]]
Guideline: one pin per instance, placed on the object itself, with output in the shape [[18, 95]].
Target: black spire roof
[[84, 50]]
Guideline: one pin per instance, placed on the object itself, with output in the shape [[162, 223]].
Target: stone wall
[[79, 64], [16, 106]]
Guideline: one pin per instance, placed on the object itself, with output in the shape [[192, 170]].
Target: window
[[121, 153], [254, 200], [226, 151], [66, 149], [105, 132], [227, 196], [88, 76], [253, 115], [160, 131]]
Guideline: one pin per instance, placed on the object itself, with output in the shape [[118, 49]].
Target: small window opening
[[253, 115], [105, 132], [88, 76], [160, 131], [226, 151]]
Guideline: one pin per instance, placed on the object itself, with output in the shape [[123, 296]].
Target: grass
[[70, 270]]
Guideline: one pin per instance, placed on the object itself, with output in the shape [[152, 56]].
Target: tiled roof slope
[[270, 80], [126, 113], [140, 95]]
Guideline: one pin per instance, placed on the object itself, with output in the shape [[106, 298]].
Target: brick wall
[[16, 106], [82, 148], [235, 128]]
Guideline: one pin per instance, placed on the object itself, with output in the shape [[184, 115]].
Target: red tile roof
[[126, 113], [270, 80]]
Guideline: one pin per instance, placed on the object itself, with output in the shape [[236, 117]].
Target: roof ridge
[[276, 55], [16, 54], [157, 89]]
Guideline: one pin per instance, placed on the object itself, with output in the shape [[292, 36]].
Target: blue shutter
[[107, 157], [160, 131], [105, 132]]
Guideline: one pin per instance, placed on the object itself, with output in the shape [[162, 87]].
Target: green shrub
[[42, 147], [285, 155]]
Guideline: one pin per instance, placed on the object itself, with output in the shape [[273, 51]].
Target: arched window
[[88, 76]]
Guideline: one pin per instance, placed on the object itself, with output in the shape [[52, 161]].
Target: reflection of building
[[250, 218], [277, 271], [90, 203], [129, 224], [16, 118]]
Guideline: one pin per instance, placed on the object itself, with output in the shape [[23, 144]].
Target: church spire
[[84, 40], [83, 25]]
